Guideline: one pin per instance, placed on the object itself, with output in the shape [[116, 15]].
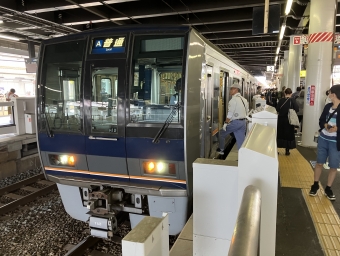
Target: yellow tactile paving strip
[[296, 172]]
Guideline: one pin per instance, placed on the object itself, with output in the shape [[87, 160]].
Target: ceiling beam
[[141, 9], [273, 38], [234, 35], [96, 12], [228, 27]]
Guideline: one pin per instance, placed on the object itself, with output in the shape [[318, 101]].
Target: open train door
[[105, 117], [208, 112]]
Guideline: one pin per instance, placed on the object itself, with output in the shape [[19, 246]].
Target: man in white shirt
[[236, 118]]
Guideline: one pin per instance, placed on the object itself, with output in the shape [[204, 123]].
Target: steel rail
[[246, 237], [80, 248], [26, 199], [21, 184]]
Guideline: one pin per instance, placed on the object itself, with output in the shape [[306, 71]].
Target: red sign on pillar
[[296, 40], [312, 95]]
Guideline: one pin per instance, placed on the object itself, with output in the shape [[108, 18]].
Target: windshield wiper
[[48, 129], [167, 123]]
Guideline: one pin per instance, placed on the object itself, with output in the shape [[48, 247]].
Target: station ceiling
[[226, 23]]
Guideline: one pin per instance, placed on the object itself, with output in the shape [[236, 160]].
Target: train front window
[[157, 80], [62, 65], [104, 100]]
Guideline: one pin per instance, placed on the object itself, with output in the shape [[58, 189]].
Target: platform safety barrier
[[245, 239], [13, 116], [149, 238], [7, 123]]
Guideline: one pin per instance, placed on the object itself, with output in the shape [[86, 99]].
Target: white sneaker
[[326, 166]]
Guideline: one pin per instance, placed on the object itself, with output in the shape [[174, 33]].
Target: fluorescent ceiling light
[[9, 37], [275, 59], [91, 4], [277, 50], [288, 6], [282, 31], [1, 21], [117, 1]]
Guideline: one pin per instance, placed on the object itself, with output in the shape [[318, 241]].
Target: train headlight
[[62, 160], [159, 168]]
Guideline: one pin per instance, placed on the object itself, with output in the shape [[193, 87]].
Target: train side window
[[104, 100], [62, 66], [157, 84]]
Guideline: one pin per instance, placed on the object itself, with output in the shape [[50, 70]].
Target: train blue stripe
[[141, 148], [119, 179], [144, 148]]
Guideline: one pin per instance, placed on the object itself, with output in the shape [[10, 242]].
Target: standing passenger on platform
[[10, 95], [281, 94], [274, 97], [300, 101], [285, 131], [327, 100], [296, 94], [236, 118], [328, 143], [269, 97]]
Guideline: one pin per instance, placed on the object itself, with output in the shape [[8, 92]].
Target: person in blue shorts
[[328, 143]]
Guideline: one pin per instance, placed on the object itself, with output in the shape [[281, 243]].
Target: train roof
[[137, 28], [122, 29]]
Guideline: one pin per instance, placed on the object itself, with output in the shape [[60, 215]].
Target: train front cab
[[99, 111]]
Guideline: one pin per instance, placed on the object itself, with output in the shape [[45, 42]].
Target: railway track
[[24, 192], [88, 243]]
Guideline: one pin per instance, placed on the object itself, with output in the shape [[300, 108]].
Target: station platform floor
[[306, 226]]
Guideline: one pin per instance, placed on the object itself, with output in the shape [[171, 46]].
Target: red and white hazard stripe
[[321, 37]]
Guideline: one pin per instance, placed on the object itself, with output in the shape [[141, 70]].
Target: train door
[[105, 116], [223, 100], [208, 101]]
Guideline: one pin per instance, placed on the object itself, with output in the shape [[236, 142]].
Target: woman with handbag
[[328, 143], [285, 131]]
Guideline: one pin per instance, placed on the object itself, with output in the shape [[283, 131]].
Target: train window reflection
[[104, 100], [156, 89], [62, 65]]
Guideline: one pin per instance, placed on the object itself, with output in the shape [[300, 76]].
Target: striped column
[[319, 64]]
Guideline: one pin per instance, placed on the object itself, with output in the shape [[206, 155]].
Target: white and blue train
[[123, 113]]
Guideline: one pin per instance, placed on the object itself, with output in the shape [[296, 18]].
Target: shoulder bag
[[292, 116]]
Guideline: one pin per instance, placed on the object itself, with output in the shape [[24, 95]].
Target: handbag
[[292, 116]]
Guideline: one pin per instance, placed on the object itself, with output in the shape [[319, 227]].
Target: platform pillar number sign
[[310, 95]]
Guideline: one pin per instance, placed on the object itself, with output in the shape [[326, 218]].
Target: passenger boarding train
[[123, 113]]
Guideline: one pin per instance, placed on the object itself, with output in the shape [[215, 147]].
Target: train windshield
[[157, 85], [62, 67]]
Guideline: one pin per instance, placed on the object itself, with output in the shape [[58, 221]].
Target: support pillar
[[280, 75], [31, 49], [294, 65], [285, 69], [319, 64]]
